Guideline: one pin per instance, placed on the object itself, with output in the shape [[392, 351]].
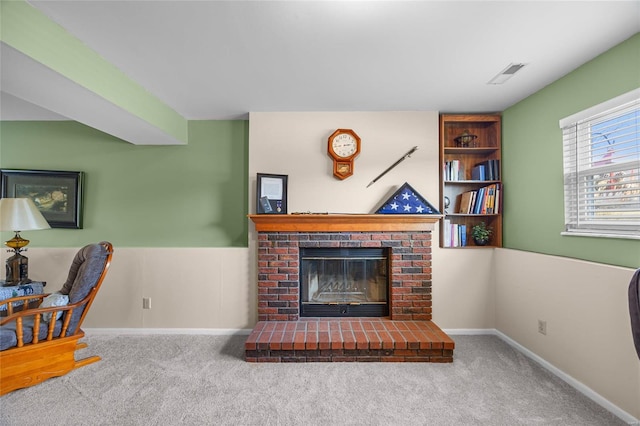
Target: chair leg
[[86, 361]]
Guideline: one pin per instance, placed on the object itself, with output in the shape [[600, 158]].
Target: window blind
[[601, 153]]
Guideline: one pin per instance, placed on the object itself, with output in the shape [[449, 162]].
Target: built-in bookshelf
[[470, 178]]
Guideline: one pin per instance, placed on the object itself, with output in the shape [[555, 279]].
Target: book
[[496, 207], [477, 209], [491, 169], [465, 205], [463, 235], [478, 172], [455, 237], [452, 170], [457, 208], [447, 233], [496, 169]]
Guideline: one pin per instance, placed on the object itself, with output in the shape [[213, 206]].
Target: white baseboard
[[470, 331], [580, 387], [192, 331]]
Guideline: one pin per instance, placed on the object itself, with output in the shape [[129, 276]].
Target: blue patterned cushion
[[8, 337], [84, 273]]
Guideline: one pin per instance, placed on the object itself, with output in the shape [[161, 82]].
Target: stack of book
[[455, 235], [453, 170], [487, 170], [485, 200]]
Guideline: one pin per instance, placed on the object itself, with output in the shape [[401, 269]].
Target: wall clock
[[343, 147]]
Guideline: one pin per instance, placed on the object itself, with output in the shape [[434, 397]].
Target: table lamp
[[17, 215]]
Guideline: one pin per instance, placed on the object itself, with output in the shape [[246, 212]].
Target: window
[[602, 169]]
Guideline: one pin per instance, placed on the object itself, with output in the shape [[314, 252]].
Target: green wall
[[532, 159], [191, 195]]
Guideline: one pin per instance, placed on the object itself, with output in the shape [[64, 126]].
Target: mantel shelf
[[343, 222]]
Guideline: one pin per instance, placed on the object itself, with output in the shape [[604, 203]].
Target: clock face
[[344, 145]]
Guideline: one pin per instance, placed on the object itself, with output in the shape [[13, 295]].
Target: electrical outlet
[[146, 303], [542, 327]]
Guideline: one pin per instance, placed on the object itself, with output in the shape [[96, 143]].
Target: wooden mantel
[[343, 222]]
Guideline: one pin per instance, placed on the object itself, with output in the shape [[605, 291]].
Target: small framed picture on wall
[[271, 194]]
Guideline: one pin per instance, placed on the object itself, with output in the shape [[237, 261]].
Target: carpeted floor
[[203, 380]]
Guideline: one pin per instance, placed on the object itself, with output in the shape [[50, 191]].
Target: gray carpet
[[203, 380]]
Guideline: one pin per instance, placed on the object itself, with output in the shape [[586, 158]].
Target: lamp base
[[17, 268]]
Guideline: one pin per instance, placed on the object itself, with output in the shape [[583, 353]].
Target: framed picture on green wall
[[57, 194]]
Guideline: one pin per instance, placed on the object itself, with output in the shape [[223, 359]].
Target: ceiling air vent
[[506, 73]]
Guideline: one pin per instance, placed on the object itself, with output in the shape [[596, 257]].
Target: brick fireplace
[[407, 334]]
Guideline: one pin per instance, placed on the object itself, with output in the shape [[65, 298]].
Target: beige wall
[[295, 144], [586, 309], [189, 287]]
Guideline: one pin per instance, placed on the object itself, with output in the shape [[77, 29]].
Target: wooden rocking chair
[[37, 343]]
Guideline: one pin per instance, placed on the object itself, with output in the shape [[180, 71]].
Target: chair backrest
[[87, 271], [634, 309]]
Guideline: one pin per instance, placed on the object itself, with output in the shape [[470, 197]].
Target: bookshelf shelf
[[470, 178], [472, 151], [470, 214], [466, 182]]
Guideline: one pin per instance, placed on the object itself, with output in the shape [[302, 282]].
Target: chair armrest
[[25, 299], [37, 313]]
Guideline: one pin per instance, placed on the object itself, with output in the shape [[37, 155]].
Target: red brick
[[290, 326], [290, 297], [360, 236], [392, 359], [344, 359], [400, 236], [422, 317], [349, 341], [371, 244], [299, 341], [361, 340], [269, 359], [336, 340], [287, 341], [375, 342], [311, 341], [387, 340], [418, 359], [323, 340], [276, 341], [401, 317], [398, 339]]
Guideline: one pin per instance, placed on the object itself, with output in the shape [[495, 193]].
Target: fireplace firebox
[[344, 282]]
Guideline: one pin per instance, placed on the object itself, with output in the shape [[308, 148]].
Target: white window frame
[[579, 172]]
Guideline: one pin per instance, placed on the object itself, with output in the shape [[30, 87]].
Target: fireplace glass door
[[338, 282]]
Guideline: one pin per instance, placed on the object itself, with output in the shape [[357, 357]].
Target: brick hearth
[[408, 334], [348, 339]]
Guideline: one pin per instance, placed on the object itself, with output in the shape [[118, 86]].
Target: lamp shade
[[20, 214]]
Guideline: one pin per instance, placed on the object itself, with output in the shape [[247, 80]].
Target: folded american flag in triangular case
[[407, 200]]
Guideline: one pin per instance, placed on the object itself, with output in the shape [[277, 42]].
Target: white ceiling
[[223, 59]]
